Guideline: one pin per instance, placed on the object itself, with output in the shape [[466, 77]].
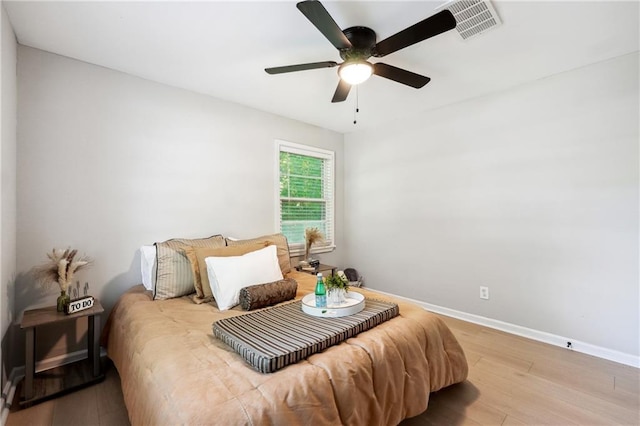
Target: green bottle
[[321, 292]]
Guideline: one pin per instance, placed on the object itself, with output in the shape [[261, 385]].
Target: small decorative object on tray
[[60, 269], [353, 303]]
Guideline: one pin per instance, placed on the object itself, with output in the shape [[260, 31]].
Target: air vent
[[473, 17]]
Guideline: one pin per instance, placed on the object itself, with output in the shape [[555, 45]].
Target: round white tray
[[353, 305]]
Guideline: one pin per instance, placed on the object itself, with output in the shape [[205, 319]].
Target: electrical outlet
[[484, 292]]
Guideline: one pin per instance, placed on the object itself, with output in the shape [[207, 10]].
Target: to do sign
[[79, 305]]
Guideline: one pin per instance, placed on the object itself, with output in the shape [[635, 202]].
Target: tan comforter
[[174, 371]]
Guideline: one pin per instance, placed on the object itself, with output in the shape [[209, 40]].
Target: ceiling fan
[[357, 44]]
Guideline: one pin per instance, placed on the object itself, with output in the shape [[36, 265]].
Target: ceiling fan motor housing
[[363, 42]]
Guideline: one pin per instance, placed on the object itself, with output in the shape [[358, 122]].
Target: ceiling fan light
[[355, 72]]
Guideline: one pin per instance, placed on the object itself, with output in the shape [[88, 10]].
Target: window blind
[[306, 194]]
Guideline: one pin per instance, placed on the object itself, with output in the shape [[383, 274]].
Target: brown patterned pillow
[[284, 259], [262, 295], [174, 277]]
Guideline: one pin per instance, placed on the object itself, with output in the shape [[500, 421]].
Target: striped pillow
[[174, 276], [280, 241]]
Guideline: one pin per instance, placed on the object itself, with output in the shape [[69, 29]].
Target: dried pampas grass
[[312, 236], [60, 269]]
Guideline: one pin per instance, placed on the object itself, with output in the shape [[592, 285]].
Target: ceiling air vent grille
[[473, 17]]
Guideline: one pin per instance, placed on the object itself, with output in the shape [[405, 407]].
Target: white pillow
[[147, 266], [228, 275]]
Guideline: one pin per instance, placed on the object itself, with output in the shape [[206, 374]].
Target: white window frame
[[297, 249]]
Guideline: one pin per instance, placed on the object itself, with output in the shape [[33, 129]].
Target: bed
[[174, 371]]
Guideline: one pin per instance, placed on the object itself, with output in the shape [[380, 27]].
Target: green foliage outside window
[[302, 202]]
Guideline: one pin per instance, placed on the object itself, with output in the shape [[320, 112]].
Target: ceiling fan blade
[[342, 91], [401, 76], [301, 67], [318, 15], [432, 26]]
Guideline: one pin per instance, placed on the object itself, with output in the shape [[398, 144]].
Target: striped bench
[[275, 337]]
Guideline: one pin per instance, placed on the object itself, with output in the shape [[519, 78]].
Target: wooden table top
[[49, 315]]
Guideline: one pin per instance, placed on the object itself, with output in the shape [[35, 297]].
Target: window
[[305, 194]]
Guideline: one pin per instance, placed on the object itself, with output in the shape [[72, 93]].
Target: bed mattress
[[173, 369]]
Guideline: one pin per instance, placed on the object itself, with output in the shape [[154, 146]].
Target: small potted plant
[[336, 290]]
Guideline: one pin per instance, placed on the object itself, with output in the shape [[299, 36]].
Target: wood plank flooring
[[512, 381], [517, 381], [97, 405]]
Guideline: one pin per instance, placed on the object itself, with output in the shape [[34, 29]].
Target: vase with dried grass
[[311, 237], [60, 269]]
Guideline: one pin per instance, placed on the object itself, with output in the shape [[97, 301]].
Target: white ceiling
[[221, 49]]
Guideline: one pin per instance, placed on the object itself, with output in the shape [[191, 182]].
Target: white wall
[[532, 192], [8, 94], [108, 162]]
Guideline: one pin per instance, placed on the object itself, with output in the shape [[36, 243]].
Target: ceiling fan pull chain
[[357, 107]]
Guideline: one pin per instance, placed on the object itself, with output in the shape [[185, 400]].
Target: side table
[[88, 371]]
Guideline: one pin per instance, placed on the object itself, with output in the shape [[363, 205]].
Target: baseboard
[[8, 393], [541, 336]]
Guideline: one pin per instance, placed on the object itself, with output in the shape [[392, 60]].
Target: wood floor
[[512, 381], [517, 381], [98, 405]]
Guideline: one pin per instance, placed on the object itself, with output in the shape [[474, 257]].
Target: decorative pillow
[[190, 254], [147, 266], [196, 256], [280, 241], [227, 275], [173, 270], [263, 295]]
